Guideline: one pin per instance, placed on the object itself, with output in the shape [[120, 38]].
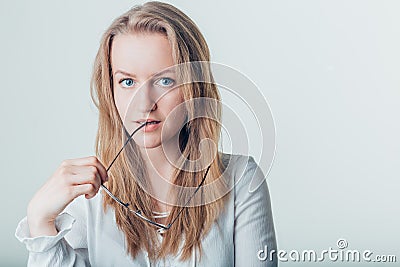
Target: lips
[[148, 121], [149, 125]]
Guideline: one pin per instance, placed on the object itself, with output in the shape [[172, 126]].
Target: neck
[[160, 160], [160, 163]]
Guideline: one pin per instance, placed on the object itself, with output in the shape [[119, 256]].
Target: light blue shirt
[[89, 237]]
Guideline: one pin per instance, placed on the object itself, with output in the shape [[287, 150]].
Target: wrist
[[40, 227]]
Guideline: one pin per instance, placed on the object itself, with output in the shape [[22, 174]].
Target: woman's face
[[142, 92]]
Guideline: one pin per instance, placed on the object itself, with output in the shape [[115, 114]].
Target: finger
[[89, 190], [90, 161], [84, 175]]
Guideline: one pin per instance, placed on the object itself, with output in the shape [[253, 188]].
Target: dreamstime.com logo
[[341, 254]]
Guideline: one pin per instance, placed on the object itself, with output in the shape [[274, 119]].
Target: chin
[[150, 146], [148, 143]]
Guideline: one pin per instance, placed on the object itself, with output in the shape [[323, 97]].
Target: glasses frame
[[162, 227]]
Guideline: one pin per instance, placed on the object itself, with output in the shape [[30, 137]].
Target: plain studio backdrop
[[329, 70]]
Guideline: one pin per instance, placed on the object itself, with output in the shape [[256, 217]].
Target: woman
[[169, 199]]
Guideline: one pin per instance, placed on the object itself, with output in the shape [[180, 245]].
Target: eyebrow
[[152, 75]]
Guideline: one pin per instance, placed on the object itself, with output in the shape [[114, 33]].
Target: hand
[[73, 178]]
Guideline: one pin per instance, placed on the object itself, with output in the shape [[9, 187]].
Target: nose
[[145, 99]]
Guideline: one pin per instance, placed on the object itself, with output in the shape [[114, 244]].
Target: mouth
[[148, 121], [149, 125]]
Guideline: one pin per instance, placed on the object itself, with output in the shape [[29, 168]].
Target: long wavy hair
[[127, 175]]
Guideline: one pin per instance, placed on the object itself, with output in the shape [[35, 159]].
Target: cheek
[[174, 109], [174, 104], [120, 103]]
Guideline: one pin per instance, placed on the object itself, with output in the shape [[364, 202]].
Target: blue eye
[[165, 82], [127, 82]]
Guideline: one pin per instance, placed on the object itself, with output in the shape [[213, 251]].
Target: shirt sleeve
[[67, 248], [254, 233]]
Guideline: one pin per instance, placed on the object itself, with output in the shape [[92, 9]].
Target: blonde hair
[[188, 45]]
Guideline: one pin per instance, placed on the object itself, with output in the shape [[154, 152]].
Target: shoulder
[[250, 185], [244, 171]]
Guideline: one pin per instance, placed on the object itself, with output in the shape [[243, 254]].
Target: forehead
[[142, 54]]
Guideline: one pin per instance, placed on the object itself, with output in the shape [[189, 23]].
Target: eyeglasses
[[162, 228]]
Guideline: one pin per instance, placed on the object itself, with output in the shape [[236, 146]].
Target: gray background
[[329, 70]]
